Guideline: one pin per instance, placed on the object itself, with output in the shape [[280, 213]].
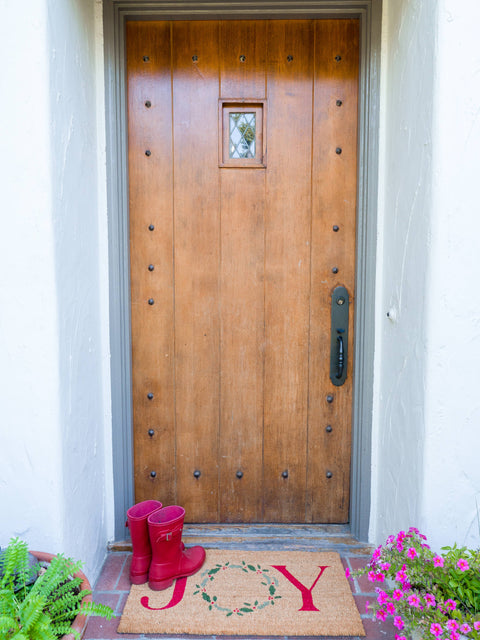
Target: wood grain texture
[[197, 264], [334, 203], [287, 267], [236, 347], [151, 202]]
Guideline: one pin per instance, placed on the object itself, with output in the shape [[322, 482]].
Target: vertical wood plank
[[242, 338], [334, 198], [242, 79], [197, 259], [242, 294], [287, 267], [150, 203]]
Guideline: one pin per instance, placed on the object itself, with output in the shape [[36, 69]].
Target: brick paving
[[113, 586]]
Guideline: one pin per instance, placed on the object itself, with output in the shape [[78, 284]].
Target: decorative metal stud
[[151, 227], [153, 474], [329, 474], [151, 267], [194, 58], [289, 58], [335, 270], [151, 301], [242, 58], [151, 433], [197, 474], [285, 474], [148, 153], [338, 151], [339, 103], [239, 474], [148, 104], [150, 395], [335, 227], [329, 398], [338, 58], [340, 301], [146, 59], [328, 428]]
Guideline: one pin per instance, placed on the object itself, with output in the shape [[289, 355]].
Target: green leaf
[[246, 610], [229, 614], [212, 571], [272, 589], [251, 567], [206, 597]]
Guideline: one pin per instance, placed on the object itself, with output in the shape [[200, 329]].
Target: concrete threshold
[[286, 537]]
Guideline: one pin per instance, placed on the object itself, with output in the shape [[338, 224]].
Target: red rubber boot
[[170, 559], [142, 551]]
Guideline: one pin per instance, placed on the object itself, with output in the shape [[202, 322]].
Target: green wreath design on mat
[[270, 582]]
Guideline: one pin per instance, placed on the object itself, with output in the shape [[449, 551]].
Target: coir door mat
[[266, 593]]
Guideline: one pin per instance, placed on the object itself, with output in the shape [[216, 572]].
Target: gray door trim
[[116, 13]]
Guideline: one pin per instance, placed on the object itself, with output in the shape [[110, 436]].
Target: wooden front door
[[242, 176]]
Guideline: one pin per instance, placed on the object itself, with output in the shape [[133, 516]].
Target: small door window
[[241, 133]]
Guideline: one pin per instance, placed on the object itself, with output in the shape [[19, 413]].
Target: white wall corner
[[451, 484], [405, 210]]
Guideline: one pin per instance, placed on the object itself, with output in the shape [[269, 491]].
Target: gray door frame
[[116, 12]]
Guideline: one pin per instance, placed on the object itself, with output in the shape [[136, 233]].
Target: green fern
[[45, 609]]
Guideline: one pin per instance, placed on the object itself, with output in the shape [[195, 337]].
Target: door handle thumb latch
[[339, 336]]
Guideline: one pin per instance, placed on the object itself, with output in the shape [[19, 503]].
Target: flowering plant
[[436, 594]]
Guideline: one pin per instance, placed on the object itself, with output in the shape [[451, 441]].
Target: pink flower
[[414, 600], [382, 597], [376, 554], [385, 566], [381, 614], [438, 561], [401, 576], [380, 577], [412, 553], [465, 628], [398, 622], [347, 572], [476, 625], [436, 629], [455, 636], [452, 625], [451, 605], [371, 576], [390, 608], [401, 535], [397, 637], [430, 600], [399, 546], [463, 565], [414, 530], [397, 594], [390, 539]]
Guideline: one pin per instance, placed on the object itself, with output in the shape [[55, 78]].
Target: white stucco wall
[[451, 485], [55, 471], [426, 440]]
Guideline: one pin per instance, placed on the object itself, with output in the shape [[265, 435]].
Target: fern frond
[[14, 565], [31, 611], [96, 609], [8, 626]]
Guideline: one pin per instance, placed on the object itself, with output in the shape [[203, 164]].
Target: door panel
[[231, 290]]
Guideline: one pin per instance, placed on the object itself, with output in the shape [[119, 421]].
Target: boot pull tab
[[168, 536]]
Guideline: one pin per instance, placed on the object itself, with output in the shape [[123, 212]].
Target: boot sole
[[160, 585], [139, 579]]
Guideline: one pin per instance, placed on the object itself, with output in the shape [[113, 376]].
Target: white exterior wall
[[56, 454], [55, 459], [427, 406], [451, 485]]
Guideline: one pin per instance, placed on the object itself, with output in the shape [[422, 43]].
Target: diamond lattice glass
[[242, 135]]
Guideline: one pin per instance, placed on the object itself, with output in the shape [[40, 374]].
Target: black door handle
[[340, 358], [339, 336]]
